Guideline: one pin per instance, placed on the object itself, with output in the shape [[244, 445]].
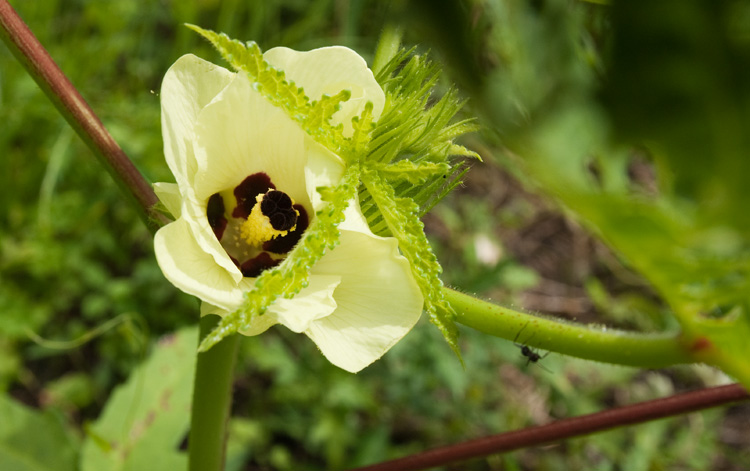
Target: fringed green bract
[[409, 168], [292, 274], [401, 216], [412, 130], [413, 173]]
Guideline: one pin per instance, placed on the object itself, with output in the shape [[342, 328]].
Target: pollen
[[272, 216]]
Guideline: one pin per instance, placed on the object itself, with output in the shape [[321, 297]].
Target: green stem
[[38, 63], [212, 399], [589, 342]]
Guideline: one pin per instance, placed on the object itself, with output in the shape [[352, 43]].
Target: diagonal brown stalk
[[37, 61], [567, 428]]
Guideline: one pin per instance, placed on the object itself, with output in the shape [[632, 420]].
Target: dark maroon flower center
[[215, 214], [276, 205], [245, 193]]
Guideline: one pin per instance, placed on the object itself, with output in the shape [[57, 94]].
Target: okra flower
[[246, 192]]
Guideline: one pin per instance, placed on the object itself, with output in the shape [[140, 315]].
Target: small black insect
[[531, 355]]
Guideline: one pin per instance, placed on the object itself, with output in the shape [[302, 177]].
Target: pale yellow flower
[[230, 150]]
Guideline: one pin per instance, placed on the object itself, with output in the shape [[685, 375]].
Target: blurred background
[[74, 255]]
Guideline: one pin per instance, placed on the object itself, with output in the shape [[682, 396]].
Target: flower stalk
[[212, 399], [596, 343]]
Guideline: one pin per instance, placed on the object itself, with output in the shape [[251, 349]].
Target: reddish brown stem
[[32, 55], [567, 428]]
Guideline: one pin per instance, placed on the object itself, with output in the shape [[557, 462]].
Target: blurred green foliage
[[145, 419], [33, 440], [73, 255]]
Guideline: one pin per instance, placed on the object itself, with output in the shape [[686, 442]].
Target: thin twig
[[567, 428], [37, 61]]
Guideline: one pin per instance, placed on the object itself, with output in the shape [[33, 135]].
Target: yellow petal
[[378, 301], [189, 85], [187, 266], [329, 70], [310, 304], [241, 133], [354, 220], [194, 213], [169, 195], [324, 168]]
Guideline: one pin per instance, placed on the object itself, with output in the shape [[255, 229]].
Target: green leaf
[[291, 275], [145, 419], [401, 216], [31, 440]]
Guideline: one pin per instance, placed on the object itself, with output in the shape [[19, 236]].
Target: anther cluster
[[277, 207]]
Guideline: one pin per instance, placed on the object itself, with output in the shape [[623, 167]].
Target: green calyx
[[399, 166]]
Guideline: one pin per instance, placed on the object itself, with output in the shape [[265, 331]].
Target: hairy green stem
[[48, 76], [212, 399], [593, 342]]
